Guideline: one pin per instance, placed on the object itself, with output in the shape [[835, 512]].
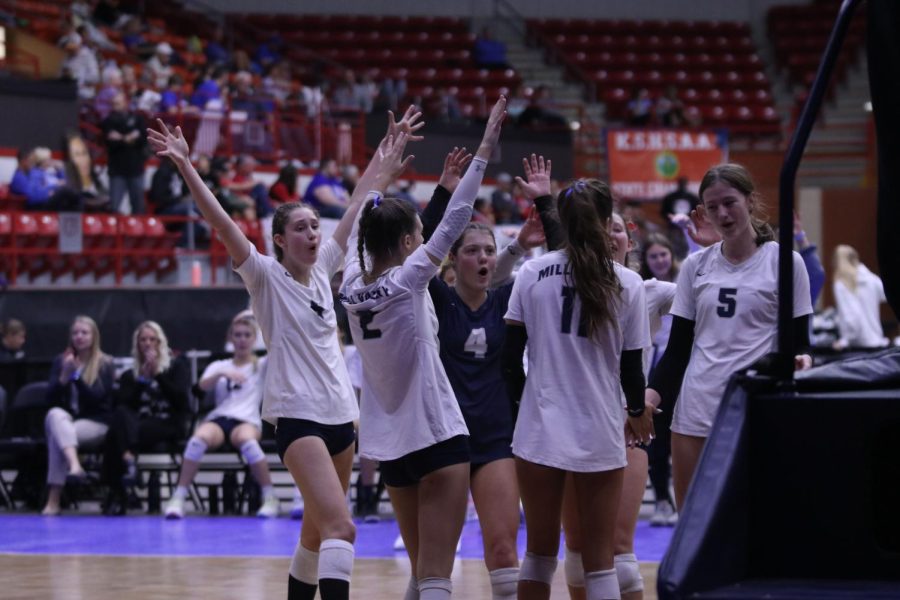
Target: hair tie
[[376, 198], [579, 186]]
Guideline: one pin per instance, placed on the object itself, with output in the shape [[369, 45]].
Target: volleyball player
[[585, 319], [724, 314], [410, 420], [471, 330], [308, 395]]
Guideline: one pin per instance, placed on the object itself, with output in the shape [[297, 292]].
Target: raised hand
[[390, 151], [166, 143], [454, 165], [492, 130], [537, 173], [531, 235], [698, 227], [407, 124]]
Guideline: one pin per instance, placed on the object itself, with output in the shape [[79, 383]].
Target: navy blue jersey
[[471, 344]]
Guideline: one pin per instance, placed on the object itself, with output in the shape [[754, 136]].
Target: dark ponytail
[[381, 227], [585, 209]]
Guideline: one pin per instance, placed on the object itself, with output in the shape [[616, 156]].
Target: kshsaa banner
[[646, 164]]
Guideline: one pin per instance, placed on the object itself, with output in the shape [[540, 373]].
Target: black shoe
[[114, 505]]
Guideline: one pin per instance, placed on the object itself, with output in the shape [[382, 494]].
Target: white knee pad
[[538, 568], [628, 572], [195, 449], [504, 583], [335, 559], [305, 565], [601, 585], [252, 452], [574, 569]]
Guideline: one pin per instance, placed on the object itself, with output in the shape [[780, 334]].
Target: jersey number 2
[[568, 294], [365, 319], [477, 343], [728, 302]]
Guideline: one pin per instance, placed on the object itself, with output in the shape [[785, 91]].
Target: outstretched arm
[[173, 145], [454, 164], [531, 235], [537, 190]]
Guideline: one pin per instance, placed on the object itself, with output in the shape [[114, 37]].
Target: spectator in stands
[[858, 294], [246, 99], [81, 65], [112, 85], [391, 91], [19, 183], [170, 198], [277, 83], [312, 97], [147, 97], [268, 52], [325, 192], [237, 385], [215, 51], [13, 341], [505, 210], [160, 65], [442, 106], [81, 176], [151, 408], [680, 201], [47, 185], [540, 112], [242, 62], [639, 109], [172, 100], [284, 189], [489, 53], [211, 89], [518, 101], [125, 135], [670, 109], [349, 177], [80, 396], [134, 40], [244, 189]]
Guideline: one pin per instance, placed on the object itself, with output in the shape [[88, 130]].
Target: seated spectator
[[47, 185], [112, 85], [639, 109], [19, 183], [284, 189], [242, 62], [124, 132], [215, 51], [210, 89], [244, 190], [670, 109], [152, 404], [134, 40], [858, 294], [489, 53], [171, 100], [517, 101], [81, 176], [277, 83], [146, 99], [170, 198], [246, 99], [13, 341], [237, 386], [505, 209], [80, 396], [159, 66], [81, 65], [540, 112], [349, 94], [442, 106], [269, 51], [325, 192]]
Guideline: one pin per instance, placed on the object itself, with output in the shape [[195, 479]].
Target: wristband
[[635, 412], [515, 248]]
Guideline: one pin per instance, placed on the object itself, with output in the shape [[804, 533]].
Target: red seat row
[[640, 27], [677, 60], [358, 23], [755, 80], [637, 43]]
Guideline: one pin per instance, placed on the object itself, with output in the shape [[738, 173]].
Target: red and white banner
[[646, 164]]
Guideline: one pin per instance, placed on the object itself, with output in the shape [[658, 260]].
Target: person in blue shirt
[[325, 192], [19, 183]]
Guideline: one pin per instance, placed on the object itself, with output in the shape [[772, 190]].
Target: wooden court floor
[[93, 577]]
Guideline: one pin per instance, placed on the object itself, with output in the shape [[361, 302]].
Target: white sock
[[412, 589], [435, 588], [504, 583], [305, 566], [180, 491], [268, 490], [602, 585]]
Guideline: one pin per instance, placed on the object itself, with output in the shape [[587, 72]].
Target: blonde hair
[[245, 317], [846, 266], [165, 353], [96, 358]]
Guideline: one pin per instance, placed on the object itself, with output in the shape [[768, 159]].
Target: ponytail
[[584, 210], [381, 226]]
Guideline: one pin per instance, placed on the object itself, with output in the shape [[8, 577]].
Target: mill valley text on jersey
[[360, 297]]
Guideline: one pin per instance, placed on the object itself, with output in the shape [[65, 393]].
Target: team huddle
[[446, 405]]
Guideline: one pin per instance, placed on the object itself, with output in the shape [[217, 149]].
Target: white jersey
[[571, 415], [407, 403], [242, 401], [660, 295], [859, 316], [735, 314], [308, 379]]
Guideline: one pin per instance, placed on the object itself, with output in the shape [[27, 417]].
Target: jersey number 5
[[728, 302], [365, 319], [568, 294], [477, 343]]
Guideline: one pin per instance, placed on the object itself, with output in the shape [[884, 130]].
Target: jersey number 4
[[727, 302], [477, 343], [365, 319], [568, 294]]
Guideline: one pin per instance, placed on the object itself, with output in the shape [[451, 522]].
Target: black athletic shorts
[[228, 425], [336, 437], [411, 468]]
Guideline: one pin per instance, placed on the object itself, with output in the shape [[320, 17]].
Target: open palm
[[166, 143]]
